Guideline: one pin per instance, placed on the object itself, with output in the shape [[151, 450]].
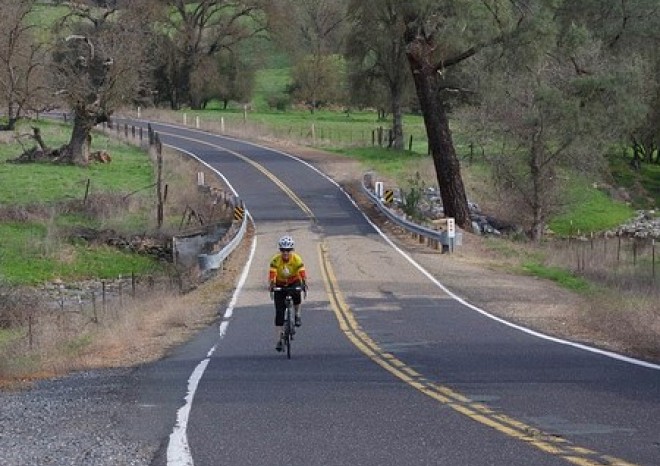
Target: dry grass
[[126, 333], [630, 322]]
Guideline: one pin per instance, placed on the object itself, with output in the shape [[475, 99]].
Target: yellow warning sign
[[239, 212], [388, 197]]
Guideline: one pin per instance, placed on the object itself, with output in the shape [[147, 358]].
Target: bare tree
[[98, 65], [22, 63], [309, 27]]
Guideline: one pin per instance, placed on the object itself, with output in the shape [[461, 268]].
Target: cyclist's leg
[[297, 306], [279, 318]]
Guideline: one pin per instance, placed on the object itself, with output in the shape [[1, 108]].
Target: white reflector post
[[379, 187], [451, 228]]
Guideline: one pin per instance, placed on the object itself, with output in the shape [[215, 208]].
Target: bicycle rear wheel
[[288, 332]]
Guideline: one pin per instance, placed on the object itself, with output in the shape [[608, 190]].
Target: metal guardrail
[[214, 261], [434, 236]]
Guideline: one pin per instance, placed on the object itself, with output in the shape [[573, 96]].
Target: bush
[[15, 306], [412, 195], [278, 101]]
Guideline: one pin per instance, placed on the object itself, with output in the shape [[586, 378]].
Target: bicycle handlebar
[[293, 288]]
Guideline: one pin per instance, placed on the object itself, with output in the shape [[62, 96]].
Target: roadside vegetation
[[82, 277]]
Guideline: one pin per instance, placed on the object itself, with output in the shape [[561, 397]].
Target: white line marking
[[178, 450]]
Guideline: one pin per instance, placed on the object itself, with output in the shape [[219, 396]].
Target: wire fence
[[618, 261]]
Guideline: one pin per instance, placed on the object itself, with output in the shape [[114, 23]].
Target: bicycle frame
[[289, 329]]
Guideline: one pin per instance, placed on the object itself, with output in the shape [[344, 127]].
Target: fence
[[66, 310], [618, 259], [314, 134]]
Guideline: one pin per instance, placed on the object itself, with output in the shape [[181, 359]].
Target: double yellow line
[[476, 411]]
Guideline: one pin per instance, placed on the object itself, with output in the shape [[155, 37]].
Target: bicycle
[[289, 327]]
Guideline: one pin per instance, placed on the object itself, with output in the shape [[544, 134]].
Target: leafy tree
[[376, 53], [555, 105], [440, 36], [318, 80], [195, 31], [224, 77], [630, 32]]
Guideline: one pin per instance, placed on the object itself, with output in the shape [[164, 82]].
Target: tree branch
[[456, 59]]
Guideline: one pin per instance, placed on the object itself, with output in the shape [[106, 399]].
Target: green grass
[[269, 82], [43, 17], [561, 276], [29, 256], [650, 179], [24, 184], [383, 161], [648, 176], [589, 210], [8, 336]]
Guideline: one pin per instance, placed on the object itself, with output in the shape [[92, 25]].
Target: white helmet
[[285, 242]]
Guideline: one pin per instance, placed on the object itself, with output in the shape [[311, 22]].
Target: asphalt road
[[388, 368]]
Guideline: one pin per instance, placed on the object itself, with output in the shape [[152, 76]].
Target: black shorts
[[280, 305]]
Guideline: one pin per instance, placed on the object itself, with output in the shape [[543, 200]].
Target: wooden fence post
[[159, 183]]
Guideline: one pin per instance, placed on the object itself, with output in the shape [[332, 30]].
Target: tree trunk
[[538, 218], [77, 150], [441, 145], [10, 126], [36, 134], [397, 118], [12, 118]]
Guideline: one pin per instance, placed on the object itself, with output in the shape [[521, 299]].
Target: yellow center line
[[476, 411]]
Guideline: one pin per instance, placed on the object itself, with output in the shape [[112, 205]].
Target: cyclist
[[286, 269]]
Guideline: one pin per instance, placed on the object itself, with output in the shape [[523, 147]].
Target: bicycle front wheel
[[287, 341]]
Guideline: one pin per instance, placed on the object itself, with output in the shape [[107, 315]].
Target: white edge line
[[178, 450], [529, 331]]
